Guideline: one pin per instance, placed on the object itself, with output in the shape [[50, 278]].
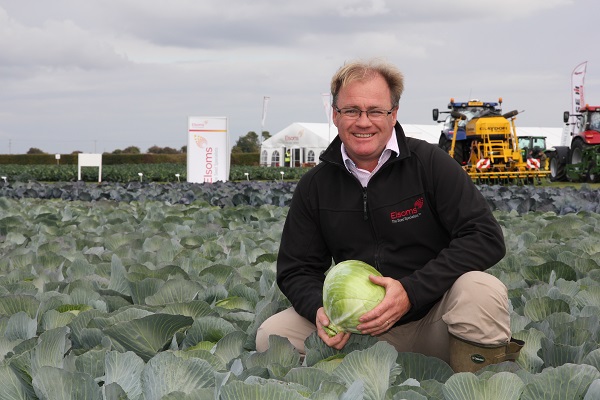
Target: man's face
[[364, 138]]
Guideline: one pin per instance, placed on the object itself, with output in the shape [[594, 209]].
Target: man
[[409, 210]]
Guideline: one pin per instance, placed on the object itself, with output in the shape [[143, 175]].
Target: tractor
[[581, 161], [484, 141]]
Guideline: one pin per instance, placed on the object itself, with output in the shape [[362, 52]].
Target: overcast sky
[[100, 75]]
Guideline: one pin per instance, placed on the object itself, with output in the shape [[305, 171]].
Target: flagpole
[[327, 104], [264, 117]]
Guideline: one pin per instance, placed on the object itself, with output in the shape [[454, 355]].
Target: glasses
[[356, 113]]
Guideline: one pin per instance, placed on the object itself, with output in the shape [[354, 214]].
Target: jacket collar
[[333, 152]]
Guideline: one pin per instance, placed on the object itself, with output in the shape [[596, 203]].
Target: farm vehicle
[[484, 141], [580, 161], [533, 150]]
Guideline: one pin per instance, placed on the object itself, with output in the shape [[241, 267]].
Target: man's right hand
[[338, 341]]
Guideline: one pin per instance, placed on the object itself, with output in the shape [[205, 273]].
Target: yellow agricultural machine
[[485, 142]]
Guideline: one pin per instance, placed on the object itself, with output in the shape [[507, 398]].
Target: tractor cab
[[587, 124], [454, 129], [532, 146]]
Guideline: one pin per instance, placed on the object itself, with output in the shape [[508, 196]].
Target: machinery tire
[[591, 176], [446, 145], [577, 148], [459, 153], [557, 169]]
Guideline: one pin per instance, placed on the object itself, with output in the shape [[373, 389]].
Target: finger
[[377, 313], [323, 335], [386, 326], [322, 317], [337, 342], [379, 280], [376, 326], [343, 341]]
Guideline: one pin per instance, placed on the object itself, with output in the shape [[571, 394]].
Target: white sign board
[[207, 150], [89, 160]]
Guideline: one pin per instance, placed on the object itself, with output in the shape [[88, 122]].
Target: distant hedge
[[251, 159], [107, 159]]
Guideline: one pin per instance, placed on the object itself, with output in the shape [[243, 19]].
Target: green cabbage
[[348, 293]]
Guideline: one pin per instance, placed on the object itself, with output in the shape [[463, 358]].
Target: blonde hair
[[365, 70]]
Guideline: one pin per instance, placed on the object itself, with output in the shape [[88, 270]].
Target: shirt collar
[[391, 146]]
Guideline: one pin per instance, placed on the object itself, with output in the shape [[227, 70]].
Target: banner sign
[[577, 80], [207, 150]]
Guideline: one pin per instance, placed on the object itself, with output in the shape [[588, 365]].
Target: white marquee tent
[[306, 141]]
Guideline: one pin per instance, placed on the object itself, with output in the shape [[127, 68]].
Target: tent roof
[[302, 134], [428, 133]]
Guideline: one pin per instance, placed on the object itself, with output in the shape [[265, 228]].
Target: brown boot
[[468, 356]]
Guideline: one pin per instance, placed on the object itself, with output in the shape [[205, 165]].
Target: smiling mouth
[[364, 135]]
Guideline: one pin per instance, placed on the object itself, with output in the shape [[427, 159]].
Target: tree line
[[249, 143], [127, 150]]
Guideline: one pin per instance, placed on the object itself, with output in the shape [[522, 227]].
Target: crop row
[[518, 199], [137, 172], [149, 299]]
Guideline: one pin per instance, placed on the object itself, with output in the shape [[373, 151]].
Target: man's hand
[[393, 306], [338, 341]]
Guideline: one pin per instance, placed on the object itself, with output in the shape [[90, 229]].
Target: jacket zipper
[[365, 213], [365, 209]]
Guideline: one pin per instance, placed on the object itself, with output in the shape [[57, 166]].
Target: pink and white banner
[[577, 98], [207, 150], [577, 79]]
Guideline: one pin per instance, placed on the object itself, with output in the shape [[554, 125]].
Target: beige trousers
[[475, 309]]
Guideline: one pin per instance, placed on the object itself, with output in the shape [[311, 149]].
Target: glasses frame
[[360, 112]]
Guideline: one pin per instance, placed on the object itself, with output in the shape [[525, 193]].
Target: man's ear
[[395, 113], [335, 117]]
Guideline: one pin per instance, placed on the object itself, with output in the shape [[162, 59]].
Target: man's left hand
[[393, 306]]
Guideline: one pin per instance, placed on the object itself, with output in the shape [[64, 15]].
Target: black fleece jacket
[[420, 220]]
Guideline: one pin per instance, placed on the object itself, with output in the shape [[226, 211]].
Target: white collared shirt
[[362, 174]]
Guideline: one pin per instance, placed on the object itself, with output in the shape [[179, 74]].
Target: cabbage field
[[155, 291]]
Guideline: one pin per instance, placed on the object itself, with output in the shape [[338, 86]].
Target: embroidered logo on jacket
[[409, 213]]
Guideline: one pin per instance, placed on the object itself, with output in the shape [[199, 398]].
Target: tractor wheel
[[442, 142], [592, 175], [459, 152], [446, 144], [557, 169], [577, 148]]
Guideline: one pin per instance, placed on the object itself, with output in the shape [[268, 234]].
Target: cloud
[[129, 72], [54, 44]]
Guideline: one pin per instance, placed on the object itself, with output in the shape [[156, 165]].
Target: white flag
[[327, 105], [264, 113]]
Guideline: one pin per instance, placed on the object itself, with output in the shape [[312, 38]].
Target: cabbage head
[[348, 293]]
